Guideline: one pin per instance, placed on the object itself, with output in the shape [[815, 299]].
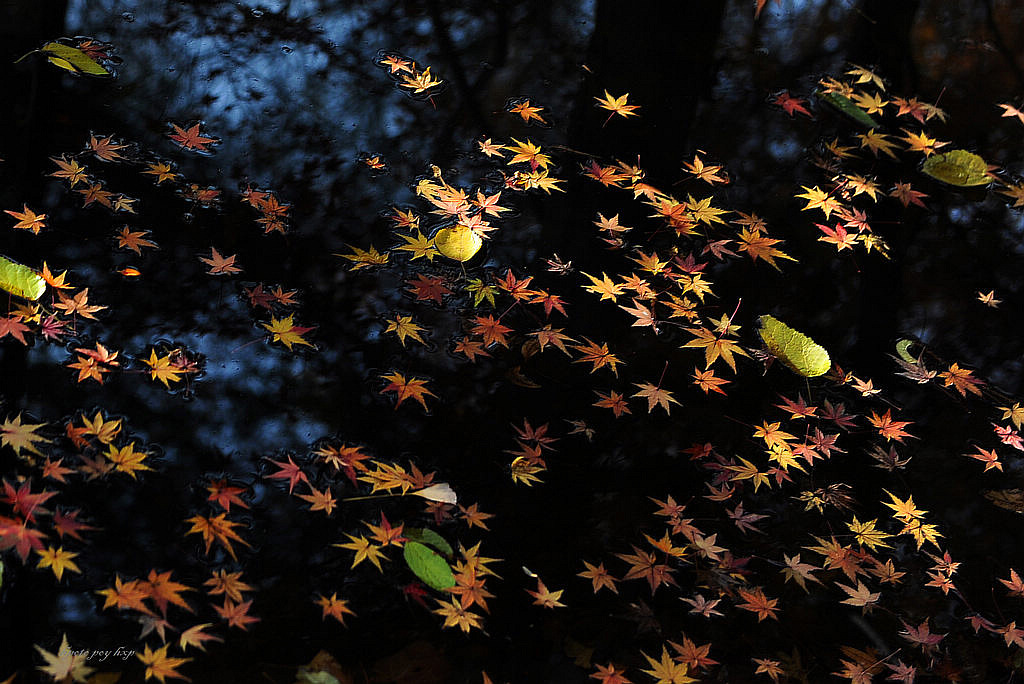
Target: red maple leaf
[[191, 139]]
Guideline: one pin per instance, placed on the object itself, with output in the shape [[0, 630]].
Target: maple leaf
[[1014, 192], [799, 571], [491, 330], [616, 105], [227, 583], [599, 356], [838, 236], [429, 288], [962, 380], [614, 401], [610, 674], [705, 172], [219, 529], [220, 265], [655, 396], [599, 577], [860, 596], [165, 591], [666, 670], [866, 534], [1014, 584], [907, 195], [196, 636], [455, 615], [819, 199], [708, 381], [989, 457], [364, 550], [407, 387], [287, 333], [877, 142], [334, 607], [715, 345], [163, 171], [545, 598], [70, 170], [921, 635], [645, 565], [237, 614], [702, 606], [289, 471], [126, 459], [791, 105], [362, 258], [889, 428], [18, 435], [28, 219], [474, 517], [105, 149], [767, 666], [134, 240], [67, 523], [760, 246], [419, 81], [78, 305], [56, 282], [130, 594], [58, 560], [320, 501], [755, 601], [526, 111], [66, 664], [989, 299], [162, 369], [1009, 110], [527, 152], [191, 139]]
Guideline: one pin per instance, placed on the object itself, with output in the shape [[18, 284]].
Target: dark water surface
[[296, 96]]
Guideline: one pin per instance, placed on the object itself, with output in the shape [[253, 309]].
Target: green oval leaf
[[430, 538], [958, 167], [851, 110], [73, 60], [20, 280], [796, 351], [428, 565]]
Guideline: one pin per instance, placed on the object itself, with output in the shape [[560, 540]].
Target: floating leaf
[[846, 106], [796, 351], [903, 350], [459, 243], [957, 167], [20, 280], [73, 60], [428, 565], [430, 538]]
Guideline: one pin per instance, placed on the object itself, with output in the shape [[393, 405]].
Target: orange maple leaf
[[191, 139], [407, 387], [220, 265]]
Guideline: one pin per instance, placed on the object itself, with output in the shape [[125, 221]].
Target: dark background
[[292, 90]]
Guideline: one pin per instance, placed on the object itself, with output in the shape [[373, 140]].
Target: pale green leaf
[[428, 565], [20, 280], [73, 60], [958, 167], [796, 351]]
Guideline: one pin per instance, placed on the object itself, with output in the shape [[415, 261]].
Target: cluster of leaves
[[770, 525]]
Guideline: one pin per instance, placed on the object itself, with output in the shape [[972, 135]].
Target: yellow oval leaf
[[796, 351], [459, 243], [20, 280], [73, 60], [958, 167]]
